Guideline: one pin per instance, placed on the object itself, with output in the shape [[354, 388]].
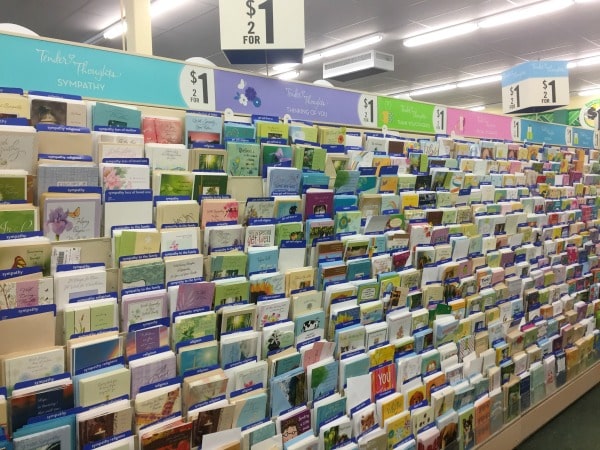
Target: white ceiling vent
[[358, 66]]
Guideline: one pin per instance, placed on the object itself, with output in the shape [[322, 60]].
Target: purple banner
[[249, 94]]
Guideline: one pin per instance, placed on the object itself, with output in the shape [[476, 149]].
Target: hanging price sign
[[262, 31], [535, 86]]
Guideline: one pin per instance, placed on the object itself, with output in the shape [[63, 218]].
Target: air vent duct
[[358, 66]]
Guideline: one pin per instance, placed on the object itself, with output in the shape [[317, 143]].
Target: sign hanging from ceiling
[[262, 31], [588, 114], [535, 86]]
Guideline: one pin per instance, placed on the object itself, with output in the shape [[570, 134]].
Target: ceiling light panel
[[479, 81], [588, 92], [433, 89], [441, 34], [115, 30], [524, 13], [289, 75]]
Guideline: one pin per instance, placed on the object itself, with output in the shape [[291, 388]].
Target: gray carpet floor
[[576, 428]]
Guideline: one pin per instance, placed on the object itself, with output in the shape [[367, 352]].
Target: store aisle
[[576, 428]]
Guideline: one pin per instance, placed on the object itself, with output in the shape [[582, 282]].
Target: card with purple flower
[[69, 218]]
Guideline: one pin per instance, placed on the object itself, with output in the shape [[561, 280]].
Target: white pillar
[[139, 26]]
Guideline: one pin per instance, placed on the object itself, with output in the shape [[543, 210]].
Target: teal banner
[[35, 64], [583, 137], [543, 133]]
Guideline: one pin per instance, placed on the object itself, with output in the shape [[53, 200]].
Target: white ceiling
[[193, 30]]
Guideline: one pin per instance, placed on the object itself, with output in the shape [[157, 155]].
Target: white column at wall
[[139, 26]]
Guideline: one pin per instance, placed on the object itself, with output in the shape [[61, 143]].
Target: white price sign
[[515, 129], [250, 25], [440, 119], [197, 87], [511, 98], [367, 110], [549, 90], [535, 86]]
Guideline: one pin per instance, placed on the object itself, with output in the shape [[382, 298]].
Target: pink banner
[[467, 123]]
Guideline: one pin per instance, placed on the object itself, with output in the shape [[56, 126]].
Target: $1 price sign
[[367, 110], [549, 91], [262, 31], [569, 136], [251, 36], [515, 96], [197, 87], [440, 119], [515, 129]]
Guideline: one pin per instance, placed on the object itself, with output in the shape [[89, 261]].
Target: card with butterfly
[[70, 216]]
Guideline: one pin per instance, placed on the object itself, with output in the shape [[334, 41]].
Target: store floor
[[576, 428]]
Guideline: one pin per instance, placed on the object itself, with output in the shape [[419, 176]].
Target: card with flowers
[[266, 284], [332, 135], [243, 159], [71, 216], [125, 176], [175, 239], [271, 311], [217, 211]]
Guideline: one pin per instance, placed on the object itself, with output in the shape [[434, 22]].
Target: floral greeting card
[[72, 218]]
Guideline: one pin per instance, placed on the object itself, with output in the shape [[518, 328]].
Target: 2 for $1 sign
[[261, 24]]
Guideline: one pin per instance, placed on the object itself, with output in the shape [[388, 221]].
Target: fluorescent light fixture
[[477, 108], [351, 45], [115, 30], [524, 13], [311, 58], [289, 75], [585, 62], [440, 35], [284, 67], [503, 18], [588, 92], [432, 89], [479, 81], [159, 7]]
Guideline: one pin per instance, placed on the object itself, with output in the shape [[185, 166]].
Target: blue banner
[[540, 132], [89, 72], [534, 69]]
